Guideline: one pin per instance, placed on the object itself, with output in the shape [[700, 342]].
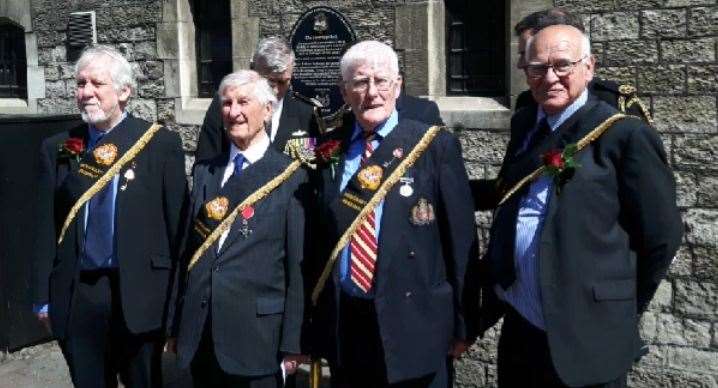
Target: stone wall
[[666, 48]]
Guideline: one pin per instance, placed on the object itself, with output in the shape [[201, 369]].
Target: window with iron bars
[[213, 44], [475, 48], [13, 63]]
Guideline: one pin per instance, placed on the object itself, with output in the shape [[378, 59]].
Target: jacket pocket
[[161, 261], [615, 290], [266, 306]]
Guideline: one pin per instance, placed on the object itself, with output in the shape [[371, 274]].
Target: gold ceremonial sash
[[378, 196], [581, 144], [107, 177], [253, 198]]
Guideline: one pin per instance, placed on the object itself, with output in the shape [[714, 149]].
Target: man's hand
[[292, 361], [171, 345], [457, 348]]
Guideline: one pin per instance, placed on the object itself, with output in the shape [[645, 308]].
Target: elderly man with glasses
[[585, 230], [400, 237]]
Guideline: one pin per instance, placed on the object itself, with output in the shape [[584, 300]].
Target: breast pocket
[[614, 290], [161, 262], [268, 306]]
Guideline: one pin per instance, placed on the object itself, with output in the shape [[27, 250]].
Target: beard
[[94, 116]]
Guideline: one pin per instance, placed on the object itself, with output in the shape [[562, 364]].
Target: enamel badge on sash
[[217, 208], [105, 154], [370, 177]]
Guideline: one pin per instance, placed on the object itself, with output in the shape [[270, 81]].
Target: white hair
[[261, 91], [369, 52], [585, 42], [274, 54], [120, 70]]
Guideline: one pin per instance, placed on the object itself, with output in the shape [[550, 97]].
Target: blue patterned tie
[[100, 226]]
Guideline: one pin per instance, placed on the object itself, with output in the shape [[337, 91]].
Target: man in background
[[293, 117]]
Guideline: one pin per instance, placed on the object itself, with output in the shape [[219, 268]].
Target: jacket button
[[412, 254], [216, 268], [408, 294], [203, 304]]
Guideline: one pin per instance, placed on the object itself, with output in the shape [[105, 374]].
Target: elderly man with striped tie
[[401, 237]]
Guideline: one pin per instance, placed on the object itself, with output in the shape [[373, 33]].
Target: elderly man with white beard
[[110, 196]]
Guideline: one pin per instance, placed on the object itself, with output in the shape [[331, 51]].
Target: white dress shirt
[[276, 114]]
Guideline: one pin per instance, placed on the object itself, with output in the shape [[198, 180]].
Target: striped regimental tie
[[363, 243]]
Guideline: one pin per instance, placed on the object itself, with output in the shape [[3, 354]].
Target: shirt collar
[[382, 130], [555, 121], [253, 153], [96, 134]]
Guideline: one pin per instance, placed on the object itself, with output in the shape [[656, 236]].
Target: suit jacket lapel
[[333, 183], [130, 131], [393, 205], [208, 189], [213, 182], [526, 161], [124, 136], [287, 124], [577, 126]]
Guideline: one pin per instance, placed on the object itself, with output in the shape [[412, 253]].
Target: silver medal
[[406, 190]]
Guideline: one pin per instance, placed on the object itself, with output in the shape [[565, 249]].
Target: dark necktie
[[100, 224], [238, 163], [542, 132]]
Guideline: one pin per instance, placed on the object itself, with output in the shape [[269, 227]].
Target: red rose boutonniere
[[73, 147], [328, 153], [560, 165]]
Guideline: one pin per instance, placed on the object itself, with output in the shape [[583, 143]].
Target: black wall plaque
[[317, 39]]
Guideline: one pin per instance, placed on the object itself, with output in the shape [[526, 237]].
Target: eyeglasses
[[362, 84], [561, 68]]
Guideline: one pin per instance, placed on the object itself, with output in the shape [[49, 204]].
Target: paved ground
[[42, 366]]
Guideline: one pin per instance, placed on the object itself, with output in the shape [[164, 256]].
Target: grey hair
[[274, 54], [585, 43], [369, 52], [261, 91], [120, 70]]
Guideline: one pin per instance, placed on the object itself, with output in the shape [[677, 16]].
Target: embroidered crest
[[370, 177], [422, 213], [105, 154], [217, 208]]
